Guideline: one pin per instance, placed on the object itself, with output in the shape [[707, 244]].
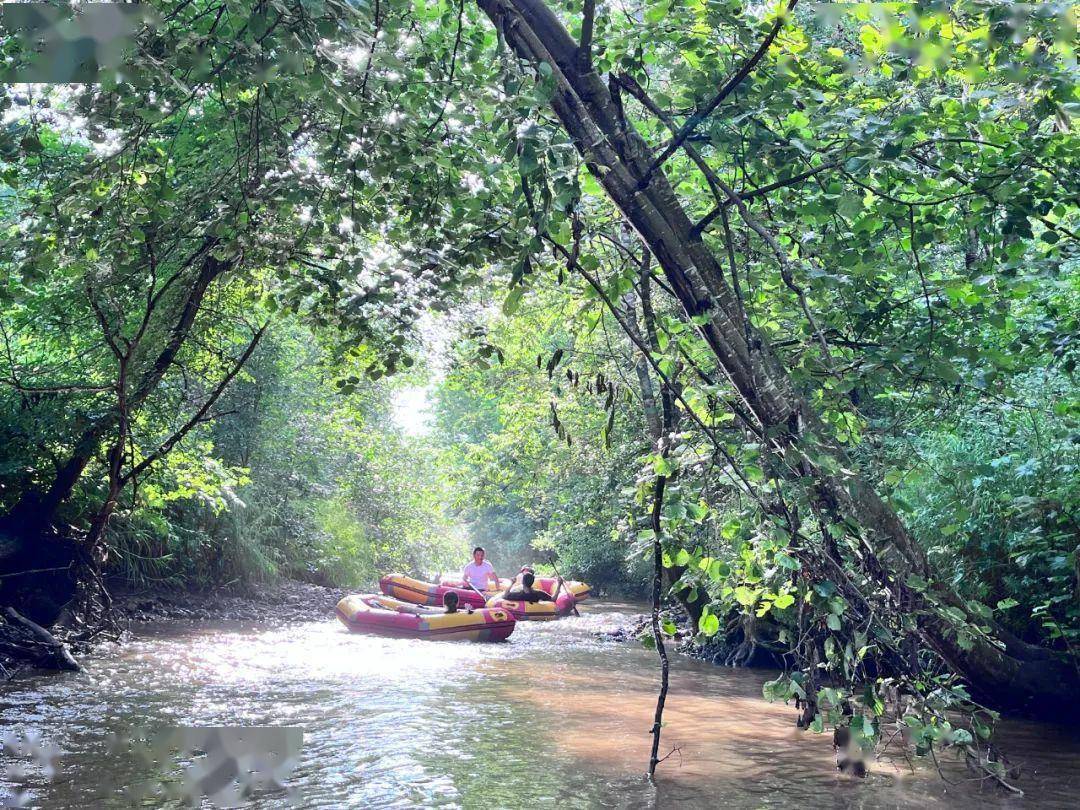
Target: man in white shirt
[[479, 572]]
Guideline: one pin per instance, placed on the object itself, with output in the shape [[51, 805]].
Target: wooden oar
[[562, 581]]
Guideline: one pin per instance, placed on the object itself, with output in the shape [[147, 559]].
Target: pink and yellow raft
[[417, 592], [536, 611], [386, 616], [580, 590]]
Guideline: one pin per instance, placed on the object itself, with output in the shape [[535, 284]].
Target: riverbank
[[283, 602]]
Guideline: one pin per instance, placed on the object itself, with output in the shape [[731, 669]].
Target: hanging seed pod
[[553, 362]]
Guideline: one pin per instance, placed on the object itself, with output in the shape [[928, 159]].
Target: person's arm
[[558, 586], [493, 576]]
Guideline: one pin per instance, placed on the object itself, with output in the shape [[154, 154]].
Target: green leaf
[[656, 12], [824, 589], [787, 561], [868, 727], [513, 301], [960, 736], [744, 596], [663, 466], [709, 624]]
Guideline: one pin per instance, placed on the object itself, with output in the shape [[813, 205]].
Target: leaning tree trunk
[[624, 165]]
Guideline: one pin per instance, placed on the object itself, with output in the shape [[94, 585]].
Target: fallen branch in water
[[658, 636], [55, 653], [984, 768]]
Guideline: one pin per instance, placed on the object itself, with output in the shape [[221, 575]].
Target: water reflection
[[553, 718]]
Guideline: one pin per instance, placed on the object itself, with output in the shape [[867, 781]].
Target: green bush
[[995, 500]]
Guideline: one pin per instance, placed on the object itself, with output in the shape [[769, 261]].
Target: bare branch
[[708, 219], [57, 389], [585, 46], [726, 90]]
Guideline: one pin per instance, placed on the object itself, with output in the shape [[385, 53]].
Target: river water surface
[[553, 718]]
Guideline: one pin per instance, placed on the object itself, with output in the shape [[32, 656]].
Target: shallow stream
[[553, 718]]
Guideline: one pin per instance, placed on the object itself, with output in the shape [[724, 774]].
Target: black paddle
[[481, 595], [561, 583]]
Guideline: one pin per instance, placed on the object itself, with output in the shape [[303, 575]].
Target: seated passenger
[[450, 602], [479, 572], [526, 593]]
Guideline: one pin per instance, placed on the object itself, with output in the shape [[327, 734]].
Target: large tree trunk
[[621, 160]]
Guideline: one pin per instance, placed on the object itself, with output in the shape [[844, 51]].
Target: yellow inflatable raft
[[580, 590], [386, 616], [412, 590]]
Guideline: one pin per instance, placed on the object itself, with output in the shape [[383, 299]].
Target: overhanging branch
[[726, 89]]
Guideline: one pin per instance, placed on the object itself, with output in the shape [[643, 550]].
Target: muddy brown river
[[553, 718]]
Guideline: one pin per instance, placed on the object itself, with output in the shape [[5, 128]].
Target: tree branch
[[585, 46], [726, 90], [709, 218], [200, 414]]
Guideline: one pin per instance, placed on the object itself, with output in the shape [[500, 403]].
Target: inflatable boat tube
[[412, 590], [386, 616], [536, 611], [580, 590], [458, 582]]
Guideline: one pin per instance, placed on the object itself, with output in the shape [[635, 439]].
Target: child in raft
[[450, 602]]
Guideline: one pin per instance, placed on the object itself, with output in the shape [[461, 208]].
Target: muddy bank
[[26, 646], [286, 601]]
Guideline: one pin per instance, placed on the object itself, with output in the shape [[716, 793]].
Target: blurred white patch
[[411, 410]]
